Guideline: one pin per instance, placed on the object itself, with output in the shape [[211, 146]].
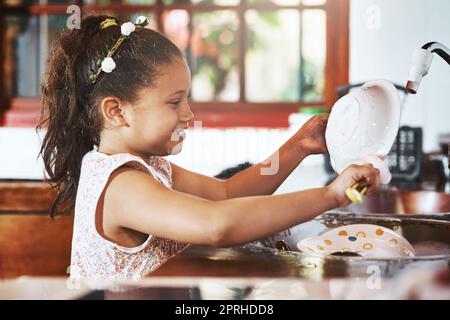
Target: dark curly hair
[[70, 104]]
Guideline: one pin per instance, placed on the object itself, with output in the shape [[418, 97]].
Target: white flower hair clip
[[127, 28], [108, 64]]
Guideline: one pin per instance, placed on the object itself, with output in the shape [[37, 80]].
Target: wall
[[383, 35]]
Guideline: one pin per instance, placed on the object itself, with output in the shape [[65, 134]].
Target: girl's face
[[156, 122]]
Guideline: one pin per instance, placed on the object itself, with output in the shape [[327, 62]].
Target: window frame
[[211, 113]]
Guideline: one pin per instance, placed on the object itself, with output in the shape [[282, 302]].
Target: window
[[261, 58]]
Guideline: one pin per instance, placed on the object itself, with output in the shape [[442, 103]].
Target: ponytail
[[69, 135]]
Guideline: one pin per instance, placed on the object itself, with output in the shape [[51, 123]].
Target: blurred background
[[260, 68]]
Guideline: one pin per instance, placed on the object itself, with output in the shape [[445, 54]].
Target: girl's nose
[[187, 114]]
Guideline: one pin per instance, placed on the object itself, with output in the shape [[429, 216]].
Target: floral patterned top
[[96, 258]]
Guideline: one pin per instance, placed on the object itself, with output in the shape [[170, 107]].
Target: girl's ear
[[112, 110]]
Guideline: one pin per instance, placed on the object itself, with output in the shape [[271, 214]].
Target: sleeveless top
[[96, 258]]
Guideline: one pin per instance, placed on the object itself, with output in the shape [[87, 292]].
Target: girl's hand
[[366, 175], [310, 139]]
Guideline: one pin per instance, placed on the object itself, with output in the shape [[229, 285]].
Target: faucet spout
[[439, 49], [421, 63]]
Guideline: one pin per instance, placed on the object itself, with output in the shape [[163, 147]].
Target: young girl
[[115, 101]]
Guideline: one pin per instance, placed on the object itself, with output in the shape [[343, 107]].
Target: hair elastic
[[107, 23]]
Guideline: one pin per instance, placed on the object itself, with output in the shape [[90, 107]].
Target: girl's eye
[[175, 103]]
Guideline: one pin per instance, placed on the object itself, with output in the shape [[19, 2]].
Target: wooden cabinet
[[31, 242]]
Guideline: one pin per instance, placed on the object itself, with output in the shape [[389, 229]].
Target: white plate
[[364, 123]]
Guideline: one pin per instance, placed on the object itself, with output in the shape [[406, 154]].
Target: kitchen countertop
[[250, 272], [204, 273], [238, 262]]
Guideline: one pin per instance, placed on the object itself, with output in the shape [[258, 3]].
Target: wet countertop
[[245, 261], [414, 284], [250, 272], [202, 273]]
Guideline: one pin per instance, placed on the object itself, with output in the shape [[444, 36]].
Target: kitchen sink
[[389, 201], [430, 238]]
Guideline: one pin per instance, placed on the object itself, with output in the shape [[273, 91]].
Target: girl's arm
[[260, 179], [249, 182], [136, 201]]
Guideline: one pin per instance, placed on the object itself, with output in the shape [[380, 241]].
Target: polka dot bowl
[[366, 240]]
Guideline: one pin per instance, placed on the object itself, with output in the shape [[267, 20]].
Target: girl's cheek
[[172, 119], [158, 123], [164, 126]]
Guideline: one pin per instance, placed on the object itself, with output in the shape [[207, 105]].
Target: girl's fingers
[[367, 176], [363, 172], [372, 180], [372, 187]]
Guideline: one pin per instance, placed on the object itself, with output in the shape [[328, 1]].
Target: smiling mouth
[[178, 135]]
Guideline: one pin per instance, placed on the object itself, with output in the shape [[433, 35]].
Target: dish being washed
[[363, 125], [366, 240]]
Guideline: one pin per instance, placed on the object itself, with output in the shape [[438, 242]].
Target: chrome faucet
[[421, 63], [419, 67]]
